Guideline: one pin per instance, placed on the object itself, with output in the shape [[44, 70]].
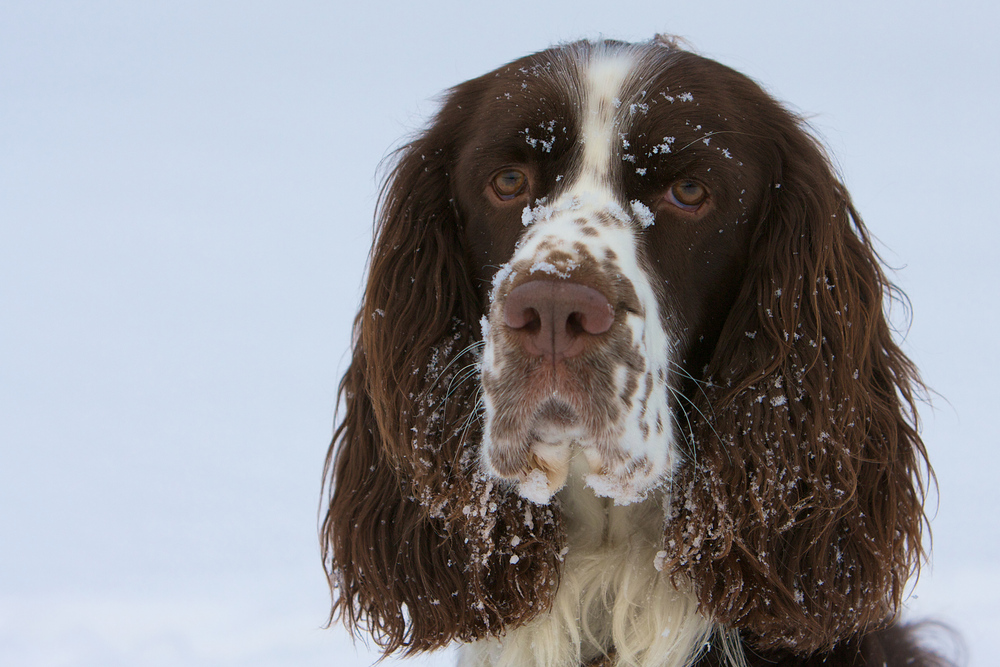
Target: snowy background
[[186, 192]]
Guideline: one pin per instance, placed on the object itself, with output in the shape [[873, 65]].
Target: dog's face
[[607, 231], [660, 271]]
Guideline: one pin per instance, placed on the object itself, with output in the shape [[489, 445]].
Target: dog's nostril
[[526, 318], [532, 320], [575, 324]]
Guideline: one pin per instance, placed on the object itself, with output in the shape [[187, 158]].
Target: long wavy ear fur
[[799, 516], [416, 544]]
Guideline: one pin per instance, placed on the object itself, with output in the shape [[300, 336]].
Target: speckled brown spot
[[559, 257]]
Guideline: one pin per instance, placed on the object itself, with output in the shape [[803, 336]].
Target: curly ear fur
[[414, 536], [799, 516]]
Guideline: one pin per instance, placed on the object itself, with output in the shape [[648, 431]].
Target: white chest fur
[[610, 594]]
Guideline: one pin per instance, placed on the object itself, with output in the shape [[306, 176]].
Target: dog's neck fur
[[611, 597]]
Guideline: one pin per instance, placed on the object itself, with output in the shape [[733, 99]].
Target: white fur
[[611, 592], [606, 77]]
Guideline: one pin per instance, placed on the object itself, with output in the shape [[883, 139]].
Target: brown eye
[[687, 195], [509, 183]]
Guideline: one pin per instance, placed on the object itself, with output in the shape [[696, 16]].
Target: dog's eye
[[509, 183], [687, 195]]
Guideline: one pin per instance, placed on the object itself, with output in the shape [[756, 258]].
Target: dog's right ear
[[417, 544]]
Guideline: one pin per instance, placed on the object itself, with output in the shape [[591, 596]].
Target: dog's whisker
[[465, 373], [471, 347]]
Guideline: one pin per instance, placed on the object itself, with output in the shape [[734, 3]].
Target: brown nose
[[557, 317]]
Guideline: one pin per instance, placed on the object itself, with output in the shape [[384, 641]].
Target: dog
[[623, 390]]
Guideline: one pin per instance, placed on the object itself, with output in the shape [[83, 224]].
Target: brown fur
[[805, 472]]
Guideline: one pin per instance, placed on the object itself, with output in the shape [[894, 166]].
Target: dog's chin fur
[[611, 594]]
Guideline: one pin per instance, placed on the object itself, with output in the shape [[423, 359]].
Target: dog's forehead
[[557, 83], [570, 68], [608, 94]]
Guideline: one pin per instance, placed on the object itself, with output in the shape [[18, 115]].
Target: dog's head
[[634, 252]]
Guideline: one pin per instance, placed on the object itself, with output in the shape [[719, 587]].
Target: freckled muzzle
[[575, 357]]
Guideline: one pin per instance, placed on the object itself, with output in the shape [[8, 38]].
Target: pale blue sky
[[186, 192]]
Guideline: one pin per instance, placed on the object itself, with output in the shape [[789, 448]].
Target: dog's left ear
[[799, 515]]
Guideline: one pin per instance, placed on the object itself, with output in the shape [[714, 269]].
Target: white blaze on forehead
[[605, 80], [590, 221]]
